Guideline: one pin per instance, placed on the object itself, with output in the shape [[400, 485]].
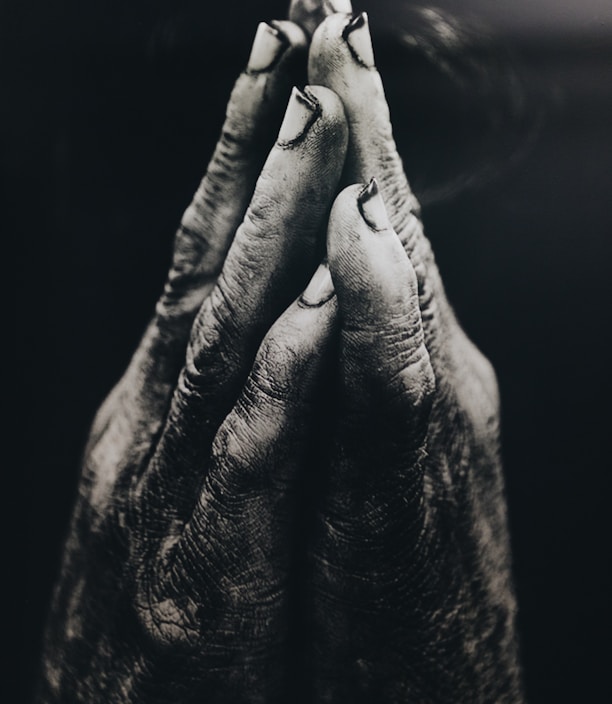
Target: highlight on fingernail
[[302, 112], [356, 34], [320, 288], [372, 207], [269, 45]]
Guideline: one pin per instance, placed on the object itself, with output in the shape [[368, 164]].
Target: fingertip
[[294, 34], [365, 254], [310, 13], [319, 290], [294, 350], [378, 301], [315, 114], [341, 57], [341, 41], [299, 338], [273, 42]]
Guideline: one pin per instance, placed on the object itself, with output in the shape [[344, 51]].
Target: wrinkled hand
[[411, 596], [175, 585], [174, 581]]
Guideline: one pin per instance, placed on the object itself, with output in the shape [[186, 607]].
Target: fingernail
[[268, 46], [302, 112], [372, 207], [356, 34], [320, 289]]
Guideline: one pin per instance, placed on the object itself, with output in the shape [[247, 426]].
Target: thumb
[[387, 375]]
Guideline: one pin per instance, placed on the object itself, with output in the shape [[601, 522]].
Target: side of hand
[[174, 579], [412, 593]]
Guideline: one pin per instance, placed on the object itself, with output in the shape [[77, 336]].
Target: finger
[[208, 225], [341, 57], [372, 513], [272, 255], [253, 115], [257, 450], [387, 378], [235, 552], [310, 13]]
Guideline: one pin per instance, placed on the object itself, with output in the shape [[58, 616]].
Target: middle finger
[[271, 258]]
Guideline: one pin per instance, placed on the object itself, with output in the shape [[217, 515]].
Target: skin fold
[[290, 439], [412, 591]]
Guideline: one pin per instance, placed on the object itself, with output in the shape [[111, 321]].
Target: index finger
[[342, 58]]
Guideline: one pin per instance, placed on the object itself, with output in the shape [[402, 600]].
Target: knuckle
[[188, 389], [266, 387], [234, 477], [264, 206], [193, 239], [211, 351], [227, 164], [395, 361], [197, 247], [167, 622], [195, 264], [236, 138], [248, 461], [231, 154], [414, 382], [271, 376], [228, 445]]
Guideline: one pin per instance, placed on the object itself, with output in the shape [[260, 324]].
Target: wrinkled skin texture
[[412, 588], [174, 579], [181, 560]]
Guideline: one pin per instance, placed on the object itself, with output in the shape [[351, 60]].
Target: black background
[[114, 109]]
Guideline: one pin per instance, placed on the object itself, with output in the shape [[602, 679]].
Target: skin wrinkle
[[471, 609], [427, 617], [163, 306], [95, 643], [373, 152], [225, 493], [223, 314], [209, 355]]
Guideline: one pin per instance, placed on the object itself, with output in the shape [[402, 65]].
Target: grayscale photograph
[[313, 350]]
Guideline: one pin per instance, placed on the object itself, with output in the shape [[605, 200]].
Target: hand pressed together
[[294, 436]]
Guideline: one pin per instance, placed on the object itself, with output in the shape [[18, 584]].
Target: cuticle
[[303, 303], [356, 22], [310, 100]]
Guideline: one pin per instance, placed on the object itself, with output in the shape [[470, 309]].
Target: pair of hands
[[294, 496]]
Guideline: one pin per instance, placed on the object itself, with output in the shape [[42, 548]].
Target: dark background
[[113, 111]]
